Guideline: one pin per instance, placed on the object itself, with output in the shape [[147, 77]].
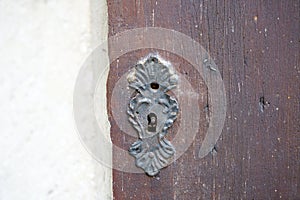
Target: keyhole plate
[[151, 112]]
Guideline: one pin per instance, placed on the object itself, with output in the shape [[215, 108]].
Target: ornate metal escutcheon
[[151, 112]]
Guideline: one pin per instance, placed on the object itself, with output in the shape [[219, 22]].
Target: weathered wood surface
[[255, 44]]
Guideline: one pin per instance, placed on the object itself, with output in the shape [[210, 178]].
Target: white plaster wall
[[42, 44]]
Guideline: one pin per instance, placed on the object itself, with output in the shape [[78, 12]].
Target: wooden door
[[255, 45]]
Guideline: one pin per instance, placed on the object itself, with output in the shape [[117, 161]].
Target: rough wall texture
[[42, 44]]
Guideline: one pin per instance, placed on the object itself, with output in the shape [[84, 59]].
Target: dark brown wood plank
[[256, 47]]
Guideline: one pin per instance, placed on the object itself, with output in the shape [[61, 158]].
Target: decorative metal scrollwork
[[151, 112]]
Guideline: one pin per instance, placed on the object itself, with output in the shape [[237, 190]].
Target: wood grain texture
[[255, 44]]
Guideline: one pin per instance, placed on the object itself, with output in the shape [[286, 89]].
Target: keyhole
[[152, 122], [154, 86]]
